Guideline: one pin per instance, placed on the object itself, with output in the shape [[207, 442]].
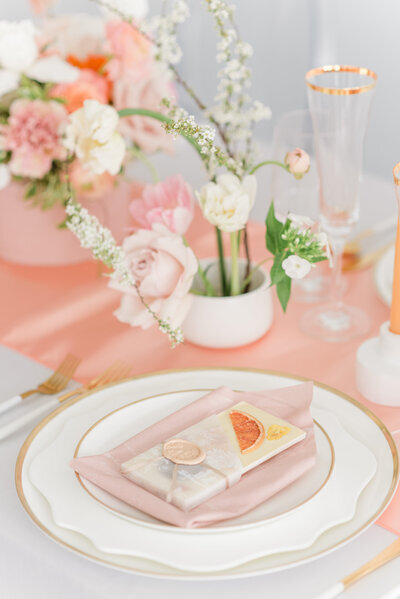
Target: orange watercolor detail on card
[[249, 431]]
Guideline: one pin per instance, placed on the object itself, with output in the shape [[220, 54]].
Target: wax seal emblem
[[181, 451]]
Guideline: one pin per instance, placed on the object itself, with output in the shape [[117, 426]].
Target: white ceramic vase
[[227, 322]]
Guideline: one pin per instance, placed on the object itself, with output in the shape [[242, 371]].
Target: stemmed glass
[[339, 100]]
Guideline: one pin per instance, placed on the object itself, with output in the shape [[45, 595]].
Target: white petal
[[5, 176], [9, 81], [52, 69]]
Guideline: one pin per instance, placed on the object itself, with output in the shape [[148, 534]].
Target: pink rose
[[88, 184], [163, 268], [88, 86], [169, 203], [33, 135], [298, 162], [130, 50], [146, 132]]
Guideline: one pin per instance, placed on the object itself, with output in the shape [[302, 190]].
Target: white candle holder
[[378, 368]]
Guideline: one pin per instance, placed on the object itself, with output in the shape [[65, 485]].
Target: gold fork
[[54, 384], [115, 372]]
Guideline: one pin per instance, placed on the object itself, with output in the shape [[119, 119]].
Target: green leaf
[[283, 289], [277, 273], [274, 231]]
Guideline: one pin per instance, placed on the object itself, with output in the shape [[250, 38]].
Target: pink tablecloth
[[46, 312]]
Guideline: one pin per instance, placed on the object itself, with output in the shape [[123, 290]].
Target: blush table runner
[[47, 312]]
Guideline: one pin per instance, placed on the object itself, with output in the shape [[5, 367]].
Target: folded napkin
[[255, 487]]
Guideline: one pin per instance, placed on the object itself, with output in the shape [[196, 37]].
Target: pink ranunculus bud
[[298, 162]]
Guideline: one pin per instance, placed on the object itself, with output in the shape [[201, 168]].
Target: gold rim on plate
[[199, 530], [341, 91], [28, 441]]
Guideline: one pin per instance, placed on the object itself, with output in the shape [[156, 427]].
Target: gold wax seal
[[181, 451]]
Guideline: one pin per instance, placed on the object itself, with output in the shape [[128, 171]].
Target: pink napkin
[[255, 487]]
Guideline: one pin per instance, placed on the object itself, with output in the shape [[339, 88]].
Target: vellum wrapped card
[[211, 455]]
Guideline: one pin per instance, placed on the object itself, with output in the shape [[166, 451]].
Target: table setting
[[201, 380]]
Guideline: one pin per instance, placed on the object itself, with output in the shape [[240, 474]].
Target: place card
[[211, 455]]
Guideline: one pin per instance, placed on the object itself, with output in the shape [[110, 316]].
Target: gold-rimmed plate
[[362, 424], [115, 428]]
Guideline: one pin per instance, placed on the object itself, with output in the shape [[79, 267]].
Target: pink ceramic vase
[[30, 236]]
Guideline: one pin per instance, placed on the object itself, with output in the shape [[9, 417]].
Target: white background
[[289, 37]]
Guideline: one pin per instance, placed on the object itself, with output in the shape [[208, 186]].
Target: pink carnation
[[88, 86], [169, 203], [130, 50], [163, 268], [146, 132], [33, 135]]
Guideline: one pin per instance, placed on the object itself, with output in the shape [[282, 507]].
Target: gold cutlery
[[363, 261], [54, 384], [116, 372], [376, 562]]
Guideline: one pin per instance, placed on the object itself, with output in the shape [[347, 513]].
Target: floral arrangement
[[154, 268], [47, 74]]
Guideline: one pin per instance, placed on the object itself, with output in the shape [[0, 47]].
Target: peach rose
[[146, 132], [88, 86], [298, 162], [163, 268], [130, 50], [87, 184]]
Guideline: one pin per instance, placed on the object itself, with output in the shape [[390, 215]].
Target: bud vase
[[233, 321]]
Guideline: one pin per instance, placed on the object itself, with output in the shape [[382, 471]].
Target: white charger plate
[[354, 467], [383, 276], [363, 425]]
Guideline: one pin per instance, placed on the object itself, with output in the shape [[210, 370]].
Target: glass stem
[[337, 245]]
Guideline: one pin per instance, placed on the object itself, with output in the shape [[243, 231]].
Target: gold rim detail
[[341, 91], [196, 531], [28, 441]]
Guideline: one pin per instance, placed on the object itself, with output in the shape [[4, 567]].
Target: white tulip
[[5, 176], [228, 202], [52, 69], [91, 134], [18, 49], [296, 267]]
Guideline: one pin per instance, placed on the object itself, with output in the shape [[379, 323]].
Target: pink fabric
[[47, 312], [256, 486]]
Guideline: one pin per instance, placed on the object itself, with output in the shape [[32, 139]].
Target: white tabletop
[[33, 566]]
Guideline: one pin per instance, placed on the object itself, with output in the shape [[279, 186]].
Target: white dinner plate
[[356, 419], [383, 276], [116, 427], [353, 468]]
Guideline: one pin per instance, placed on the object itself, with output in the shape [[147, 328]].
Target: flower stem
[[210, 291], [247, 281], [235, 281], [158, 116], [221, 258], [266, 162]]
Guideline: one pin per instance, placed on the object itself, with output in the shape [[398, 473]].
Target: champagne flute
[[339, 100]]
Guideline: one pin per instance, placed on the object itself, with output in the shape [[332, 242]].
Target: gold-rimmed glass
[[339, 99]]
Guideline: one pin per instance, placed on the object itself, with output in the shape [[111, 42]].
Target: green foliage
[[51, 190], [288, 239]]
